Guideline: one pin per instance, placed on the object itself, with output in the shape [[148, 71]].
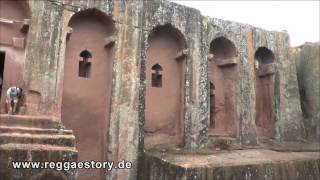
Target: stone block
[[18, 42]]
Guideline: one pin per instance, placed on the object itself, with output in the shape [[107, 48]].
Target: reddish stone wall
[[223, 73], [265, 93], [12, 44], [86, 101], [264, 106], [164, 104], [13, 11], [225, 120]]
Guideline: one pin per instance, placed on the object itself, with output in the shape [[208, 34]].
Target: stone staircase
[[34, 138]]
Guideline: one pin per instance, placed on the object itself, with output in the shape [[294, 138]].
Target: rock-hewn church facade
[[122, 80]]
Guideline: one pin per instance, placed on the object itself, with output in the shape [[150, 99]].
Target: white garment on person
[[14, 93]]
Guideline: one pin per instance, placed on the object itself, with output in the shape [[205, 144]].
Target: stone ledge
[[30, 130], [29, 121], [34, 152], [60, 140], [237, 164], [267, 70], [35, 147], [226, 62]]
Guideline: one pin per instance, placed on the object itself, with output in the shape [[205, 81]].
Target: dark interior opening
[[2, 56], [156, 76], [264, 55], [85, 54], [84, 69], [84, 64], [222, 48], [212, 105]]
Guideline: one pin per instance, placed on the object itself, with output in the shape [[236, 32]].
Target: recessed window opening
[[84, 64], [156, 76], [222, 48]]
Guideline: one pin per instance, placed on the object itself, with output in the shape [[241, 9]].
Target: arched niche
[[265, 70], [264, 55], [164, 103], [223, 73], [222, 48], [14, 26], [87, 85]]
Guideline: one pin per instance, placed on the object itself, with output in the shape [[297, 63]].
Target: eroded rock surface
[[217, 90], [35, 139], [307, 57]]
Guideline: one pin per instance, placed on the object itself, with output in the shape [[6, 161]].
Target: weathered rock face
[[251, 103], [307, 58], [286, 108]]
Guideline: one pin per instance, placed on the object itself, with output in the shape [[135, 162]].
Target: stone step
[[36, 147], [25, 138], [46, 122], [13, 152], [29, 130]]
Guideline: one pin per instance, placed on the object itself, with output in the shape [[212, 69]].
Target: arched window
[[156, 76], [84, 64], [85, 54]]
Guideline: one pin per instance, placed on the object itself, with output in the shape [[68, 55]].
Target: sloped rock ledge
[[237, 164]]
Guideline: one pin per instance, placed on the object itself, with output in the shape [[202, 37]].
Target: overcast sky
[[299, 18]]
